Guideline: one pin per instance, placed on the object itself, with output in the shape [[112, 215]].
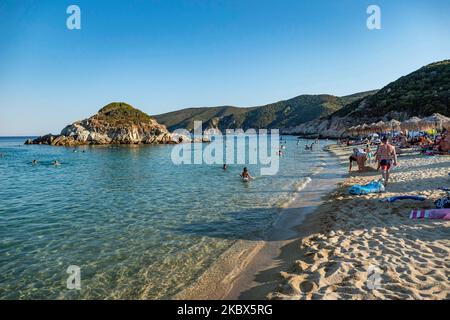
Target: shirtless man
[[444, 143], [386, 155]]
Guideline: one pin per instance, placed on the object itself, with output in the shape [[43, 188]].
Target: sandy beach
[[357, 247], [341, 246]]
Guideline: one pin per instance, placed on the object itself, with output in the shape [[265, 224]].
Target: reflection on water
[[137, 225]]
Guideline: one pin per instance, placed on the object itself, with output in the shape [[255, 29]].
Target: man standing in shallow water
[[386, 156]]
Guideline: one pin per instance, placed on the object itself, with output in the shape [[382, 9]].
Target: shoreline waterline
[[232, 275]]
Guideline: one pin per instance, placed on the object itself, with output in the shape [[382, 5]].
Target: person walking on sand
[[386, 156]]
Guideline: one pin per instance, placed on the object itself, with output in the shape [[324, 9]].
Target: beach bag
[[443, 203]]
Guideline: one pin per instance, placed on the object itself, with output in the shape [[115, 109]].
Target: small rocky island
[[116, 123]]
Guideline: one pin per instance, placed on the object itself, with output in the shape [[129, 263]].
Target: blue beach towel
[[372, 187], [393, 199]]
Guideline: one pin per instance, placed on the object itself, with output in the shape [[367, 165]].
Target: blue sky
[[162, 55]]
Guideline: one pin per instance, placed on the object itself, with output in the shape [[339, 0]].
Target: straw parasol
[[393, 125], [381, 126], [435, 121], [365, 128], [411, 124], [373, 127]]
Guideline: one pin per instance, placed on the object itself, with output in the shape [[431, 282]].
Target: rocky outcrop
[[116, 123], [325, 128]]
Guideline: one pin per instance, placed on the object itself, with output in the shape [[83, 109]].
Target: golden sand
[[357, 247]]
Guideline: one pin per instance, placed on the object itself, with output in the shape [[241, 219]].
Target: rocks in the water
[[116, 123]]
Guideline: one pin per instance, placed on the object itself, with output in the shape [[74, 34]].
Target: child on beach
[[368, 151]]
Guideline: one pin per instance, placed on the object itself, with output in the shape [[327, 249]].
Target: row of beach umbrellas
[[436, 121]]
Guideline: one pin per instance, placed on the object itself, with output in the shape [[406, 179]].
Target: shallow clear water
[[137, 225]]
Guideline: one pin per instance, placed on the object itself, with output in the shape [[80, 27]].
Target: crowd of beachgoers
[[371, 239], [382, 149]]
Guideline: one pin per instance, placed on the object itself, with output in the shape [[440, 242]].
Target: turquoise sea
[[137, 225]]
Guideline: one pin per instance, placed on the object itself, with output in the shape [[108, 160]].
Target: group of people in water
[[385, 156], [55, 162], [245, 175], [309, 147]]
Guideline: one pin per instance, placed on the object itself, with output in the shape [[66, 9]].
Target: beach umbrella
[[365, 128], [435, 121], [381, 126], [412, 124], [351, 130], [394, 125], [372, 127]]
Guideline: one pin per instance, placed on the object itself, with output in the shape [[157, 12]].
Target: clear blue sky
[[162, 55]]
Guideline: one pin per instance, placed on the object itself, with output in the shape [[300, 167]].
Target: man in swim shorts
[[386, 156]]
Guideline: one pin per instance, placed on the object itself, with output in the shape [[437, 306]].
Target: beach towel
[[372, 187], [393, 199], [430, 214]]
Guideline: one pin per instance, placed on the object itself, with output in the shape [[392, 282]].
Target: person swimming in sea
[[246, 175], [56, 163], [34, 162], [225, 167]]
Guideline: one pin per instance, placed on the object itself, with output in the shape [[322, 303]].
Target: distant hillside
[[185, 118], [281, 114], [420, 93]]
